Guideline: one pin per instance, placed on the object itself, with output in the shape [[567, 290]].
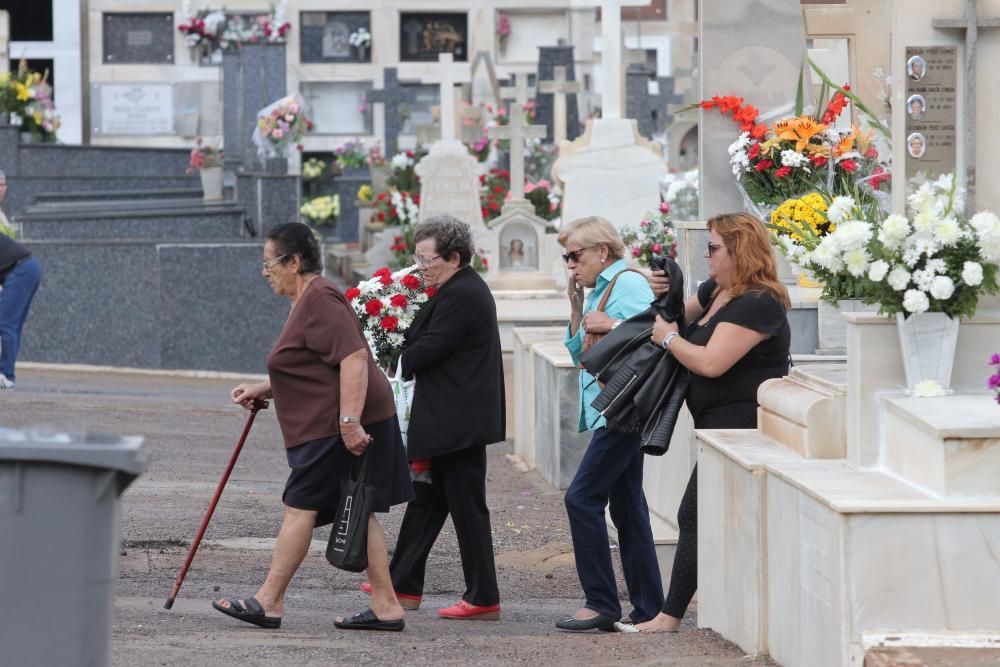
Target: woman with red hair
[[738, 337]]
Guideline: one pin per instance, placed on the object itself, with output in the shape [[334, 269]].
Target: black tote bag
[[348, 545]]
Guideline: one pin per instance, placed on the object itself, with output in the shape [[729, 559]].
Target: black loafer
[[599, 622]]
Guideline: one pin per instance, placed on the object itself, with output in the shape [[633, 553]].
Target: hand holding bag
[[348, 545], [402, 394], [591, 339]]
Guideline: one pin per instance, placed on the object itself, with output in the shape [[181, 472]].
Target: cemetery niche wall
[[425, 35]]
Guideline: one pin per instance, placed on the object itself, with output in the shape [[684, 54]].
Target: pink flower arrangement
[[204, 156], [655, 236], [993, 382], [281, 126], [503, 26]]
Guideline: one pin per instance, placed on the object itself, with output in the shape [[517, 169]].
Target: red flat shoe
[[470, 612], [408, 602]]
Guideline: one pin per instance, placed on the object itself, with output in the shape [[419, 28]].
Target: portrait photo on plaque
[[916, 145], [424, 35], [916, 68], [916, 106]]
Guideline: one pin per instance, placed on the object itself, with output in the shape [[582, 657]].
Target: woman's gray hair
[[450, 235]]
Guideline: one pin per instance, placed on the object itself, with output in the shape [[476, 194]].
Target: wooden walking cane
[[257, 405]]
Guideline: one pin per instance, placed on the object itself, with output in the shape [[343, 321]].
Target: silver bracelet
[[666, 341]]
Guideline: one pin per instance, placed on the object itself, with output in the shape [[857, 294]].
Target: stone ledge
[[957, 416]]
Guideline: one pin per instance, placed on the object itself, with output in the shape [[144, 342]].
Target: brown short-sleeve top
[[304, 367]]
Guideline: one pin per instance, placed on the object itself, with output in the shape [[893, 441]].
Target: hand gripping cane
[[257, 405]]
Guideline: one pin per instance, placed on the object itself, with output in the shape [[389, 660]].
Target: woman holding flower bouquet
[[453, 350], [332, 404], [737, 338]]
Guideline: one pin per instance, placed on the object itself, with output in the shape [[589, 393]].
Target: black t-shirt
[[11, 252], [730, 400]]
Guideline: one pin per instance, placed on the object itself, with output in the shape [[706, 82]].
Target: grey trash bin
[[59, 543]]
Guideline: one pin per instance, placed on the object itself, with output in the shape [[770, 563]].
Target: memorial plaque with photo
[[423, 36], [132, 109], [326, 37], [338, 107], [931, 85], [421, 111], [138, 39]]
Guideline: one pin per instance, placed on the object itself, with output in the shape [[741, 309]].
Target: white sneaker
[[5, 383]]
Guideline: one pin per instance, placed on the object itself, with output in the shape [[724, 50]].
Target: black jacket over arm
[[453, 350]]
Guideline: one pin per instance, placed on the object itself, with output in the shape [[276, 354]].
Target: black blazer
[[453, 350]]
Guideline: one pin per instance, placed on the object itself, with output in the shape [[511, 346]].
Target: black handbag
[[348, 545]]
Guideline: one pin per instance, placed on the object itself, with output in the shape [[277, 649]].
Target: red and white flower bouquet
[[386, 304]]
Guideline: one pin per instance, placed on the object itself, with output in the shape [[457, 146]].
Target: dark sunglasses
[[712, 247], [574, 256]]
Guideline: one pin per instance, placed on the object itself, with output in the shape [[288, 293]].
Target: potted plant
[[207, 160], [349, 158]]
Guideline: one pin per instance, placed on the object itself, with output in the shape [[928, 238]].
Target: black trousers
[[458, 487], [684, 574]]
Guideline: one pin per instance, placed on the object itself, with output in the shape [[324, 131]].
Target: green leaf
[[799, 91], [853, 98]]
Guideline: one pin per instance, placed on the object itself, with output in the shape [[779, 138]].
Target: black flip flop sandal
[[367, 620], [252, 613]]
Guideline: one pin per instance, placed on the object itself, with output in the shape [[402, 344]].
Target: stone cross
[[971, 22], [611, 51], [559, 87], [517, 132], [518, 92], [665, 96], [391, 97], [446, 61]]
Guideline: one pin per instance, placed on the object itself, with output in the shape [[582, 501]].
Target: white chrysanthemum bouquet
[[386, 304], [932, 261]]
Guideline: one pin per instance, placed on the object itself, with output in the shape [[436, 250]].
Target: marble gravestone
[[449, 175], [753, 49], [560, 88], [519, 249], [392, 96], [610, 170], [550, 57], [650, 111]]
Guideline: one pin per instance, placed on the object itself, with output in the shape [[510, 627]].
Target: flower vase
[[928, 342], [211, 183], [362, 54]]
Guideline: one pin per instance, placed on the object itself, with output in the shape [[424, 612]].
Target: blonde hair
[[747, 243], [591, 232]]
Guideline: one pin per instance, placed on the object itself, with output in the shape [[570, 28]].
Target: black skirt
[[319, 467]]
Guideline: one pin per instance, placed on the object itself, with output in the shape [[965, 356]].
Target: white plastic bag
[[402, 394]]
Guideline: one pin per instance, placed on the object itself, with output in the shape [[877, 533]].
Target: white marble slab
[[524, 387], [558, 446]]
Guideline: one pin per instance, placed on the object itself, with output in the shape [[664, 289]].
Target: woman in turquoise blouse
[[611, 470]]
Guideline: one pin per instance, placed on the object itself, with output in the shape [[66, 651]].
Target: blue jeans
[[611, 473], [19, 288]]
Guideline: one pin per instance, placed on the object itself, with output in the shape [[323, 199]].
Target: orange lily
[[800, 130], [846, 144]]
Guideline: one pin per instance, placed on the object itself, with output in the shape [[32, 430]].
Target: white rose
[[915, 301], [899, 278], [972, 274], [942, 288], [878, 270]]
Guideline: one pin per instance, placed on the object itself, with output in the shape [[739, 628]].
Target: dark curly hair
[[294, 238], [450, 235]]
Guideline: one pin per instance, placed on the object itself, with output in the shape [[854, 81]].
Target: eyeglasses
[[712, 247], [424, 261], [271, 262], [573, 256]]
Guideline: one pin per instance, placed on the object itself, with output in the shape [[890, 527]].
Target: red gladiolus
[[784, 171], [758, 131], [762, 165], [352, 293], [754, 151], [373, 307], [430, 292], [410, 281], [398, 301], [850, 166]]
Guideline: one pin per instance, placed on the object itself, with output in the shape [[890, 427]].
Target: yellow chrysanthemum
[[795, 216]]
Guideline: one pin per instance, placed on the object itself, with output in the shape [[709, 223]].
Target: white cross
[[970, 23], [559, 87], [518, 92], [611, 51], [447, 66], [517, 132]]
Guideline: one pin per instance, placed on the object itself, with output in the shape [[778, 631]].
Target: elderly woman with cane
[[332, 404], [610, 473], [737, 338]]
